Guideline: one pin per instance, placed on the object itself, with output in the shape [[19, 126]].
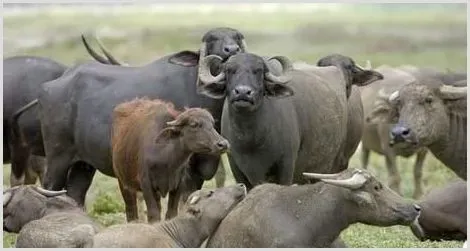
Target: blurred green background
[[427, 35]]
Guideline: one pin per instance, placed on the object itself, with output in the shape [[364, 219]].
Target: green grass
[[424, 37]]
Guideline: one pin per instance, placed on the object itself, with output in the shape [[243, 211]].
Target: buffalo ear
[[278, 90], [185, 58], [168, 133], [365, 77], [214, 90]]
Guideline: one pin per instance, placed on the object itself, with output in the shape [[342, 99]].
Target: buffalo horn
[[49, 193], [205, 74], [244, 47], [320, 176], [393, 96], [193, 200], [202, 54], [453, 90], [355, 182], [286, 68]]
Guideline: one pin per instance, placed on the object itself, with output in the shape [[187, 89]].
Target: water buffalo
[[45, 219], [76, 110], [279, 126], [376, 136], [203, 212], [429, 113], [152, 143], [22, 76], [311, 215], [444, 214]]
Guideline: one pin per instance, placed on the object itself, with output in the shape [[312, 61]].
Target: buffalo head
[[421, 112], [22, 204], [195, 129], [244, 79], [369, 200], [353, 73], [223, 42]]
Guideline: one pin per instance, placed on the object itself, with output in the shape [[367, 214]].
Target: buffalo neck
[[451, 149], [173, 152], [249, 127], [331, 216], [187, 231]]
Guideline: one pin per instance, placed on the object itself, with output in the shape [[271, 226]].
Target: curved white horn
[[394, 96], [355, 182], [49, 193], [321, 175]]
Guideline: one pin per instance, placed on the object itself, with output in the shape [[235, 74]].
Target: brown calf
[[152, 143]]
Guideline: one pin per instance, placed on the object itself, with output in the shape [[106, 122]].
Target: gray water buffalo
[[152, 143], [311, 215], [76, 110], [444, 214], [45, 219], [203, 212], [22, 76], [429, 113], [281, 125], [376, 135]]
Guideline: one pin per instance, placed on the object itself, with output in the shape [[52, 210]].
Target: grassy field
[[424, 37]]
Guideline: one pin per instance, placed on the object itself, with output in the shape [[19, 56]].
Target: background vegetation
[[428, 35]]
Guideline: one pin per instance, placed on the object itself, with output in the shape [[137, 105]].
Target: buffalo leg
[[365, 157], [130, 199], [35, 170], [393, 175], [19, 163], [173, 200], [418, 173], [220, 176], [152, 201], [285, 171], [79, 181]]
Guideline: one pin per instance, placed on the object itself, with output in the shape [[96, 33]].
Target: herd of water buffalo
[[288, 128]]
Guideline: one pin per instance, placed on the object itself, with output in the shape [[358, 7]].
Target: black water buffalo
[[76, 110], [430, 113], [22, 76], [279, 126]]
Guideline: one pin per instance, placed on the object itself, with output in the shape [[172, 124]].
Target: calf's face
[[195, 128]]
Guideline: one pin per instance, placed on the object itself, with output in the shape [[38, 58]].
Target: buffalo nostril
[[222, 144], [238, 49], [405, 132], [236, 91], [248, 92], [417, 207], [226, 50]]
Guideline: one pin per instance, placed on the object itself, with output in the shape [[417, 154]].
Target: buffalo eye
[[428, 100], [193, 124], [377, 187]]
